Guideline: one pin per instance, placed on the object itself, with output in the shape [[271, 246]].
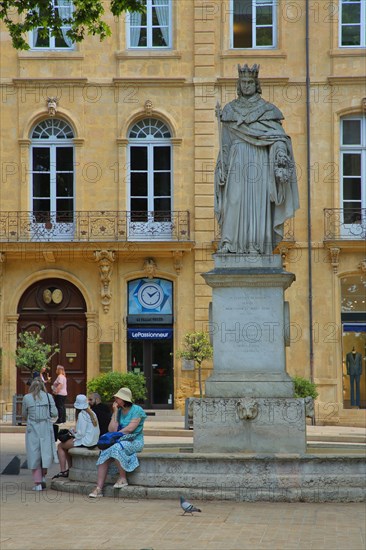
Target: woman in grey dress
[[37, 409]]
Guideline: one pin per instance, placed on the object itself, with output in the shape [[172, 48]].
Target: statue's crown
[[247, 71]]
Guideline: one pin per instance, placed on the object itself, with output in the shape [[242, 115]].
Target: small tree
[[32, 352], [196, 348]]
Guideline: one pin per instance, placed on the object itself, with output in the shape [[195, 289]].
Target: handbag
[[64, 435], [108, 439], [55, 426]]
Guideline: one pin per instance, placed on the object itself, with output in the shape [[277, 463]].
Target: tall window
[[52, 173], [353, 171], [150, 156], [254, 24], [44, 39], [151, 29], [352, 23]]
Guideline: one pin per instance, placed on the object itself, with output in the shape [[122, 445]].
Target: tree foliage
[[109, 383], [197, 348], [22, 16], [304, 388], [32, 352]]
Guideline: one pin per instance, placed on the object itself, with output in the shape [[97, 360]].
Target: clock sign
[[150, 295]]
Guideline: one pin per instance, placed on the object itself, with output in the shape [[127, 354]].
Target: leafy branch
[[22, 16], [32, 352]]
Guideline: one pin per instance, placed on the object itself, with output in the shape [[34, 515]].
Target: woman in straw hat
[[128, 419], [85, 435]]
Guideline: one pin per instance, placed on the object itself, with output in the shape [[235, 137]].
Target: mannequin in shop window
[[354, 370]]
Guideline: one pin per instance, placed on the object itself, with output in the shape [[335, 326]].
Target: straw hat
[[125, 394]]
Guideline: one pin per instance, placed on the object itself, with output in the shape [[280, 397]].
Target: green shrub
[[304, 388], [109, 383]]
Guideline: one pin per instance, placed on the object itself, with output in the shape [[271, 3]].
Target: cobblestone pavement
[[53, 521]]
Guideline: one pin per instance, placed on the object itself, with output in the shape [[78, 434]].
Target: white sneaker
[[37, 487]]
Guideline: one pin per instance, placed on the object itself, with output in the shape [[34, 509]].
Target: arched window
[[353, 170], [52, 178], [150, 190]]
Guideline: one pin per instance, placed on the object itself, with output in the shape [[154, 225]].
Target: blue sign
[[149, 333], [348, 327], [147, 296]]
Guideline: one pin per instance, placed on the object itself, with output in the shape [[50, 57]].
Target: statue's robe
[[251, 207]]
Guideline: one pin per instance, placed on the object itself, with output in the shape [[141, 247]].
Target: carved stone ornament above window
[[52, 103]]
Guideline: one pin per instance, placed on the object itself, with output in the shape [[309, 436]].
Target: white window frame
[[354, 229], [254, 45], [149, 29], [361, 24], [53, 230], [52, 39], [150, 229]]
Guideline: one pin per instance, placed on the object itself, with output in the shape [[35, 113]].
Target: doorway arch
[[60, 307]]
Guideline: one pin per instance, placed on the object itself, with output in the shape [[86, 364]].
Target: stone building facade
[[108, 153]]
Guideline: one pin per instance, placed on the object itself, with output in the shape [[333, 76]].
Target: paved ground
[[53, 521]]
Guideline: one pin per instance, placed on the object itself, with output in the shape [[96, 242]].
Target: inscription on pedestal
[[248, 328]]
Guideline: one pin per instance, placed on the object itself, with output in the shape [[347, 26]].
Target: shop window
[[43, 39], [352, 23], [253, 23], [151, 29], [353, 308]]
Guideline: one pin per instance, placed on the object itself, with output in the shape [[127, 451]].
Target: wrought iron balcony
[[93, 226], [288, 231], [344, 224]]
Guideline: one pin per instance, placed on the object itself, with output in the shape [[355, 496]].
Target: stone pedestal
[[249, 395], [251, 425]]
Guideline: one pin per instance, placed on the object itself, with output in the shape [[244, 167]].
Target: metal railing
[[91, 226], [344, 224]]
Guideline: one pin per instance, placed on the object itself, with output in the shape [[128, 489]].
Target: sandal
[[120, 483], [61, 474], [97, 493]]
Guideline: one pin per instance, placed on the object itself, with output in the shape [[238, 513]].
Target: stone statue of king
[[255, 178]]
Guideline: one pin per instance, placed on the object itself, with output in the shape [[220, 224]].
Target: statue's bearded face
[[247, 86]]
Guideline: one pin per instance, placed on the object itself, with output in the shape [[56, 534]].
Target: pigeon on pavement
[[187, 507]]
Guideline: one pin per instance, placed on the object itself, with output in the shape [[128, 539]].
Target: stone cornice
[[150, 81], [249, 54], [357, 80], [264, 81], [58, 80], [150, 54]]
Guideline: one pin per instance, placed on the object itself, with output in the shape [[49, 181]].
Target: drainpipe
[[308, 170]]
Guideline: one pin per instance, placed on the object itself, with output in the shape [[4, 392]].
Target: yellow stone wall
[[102, 89]]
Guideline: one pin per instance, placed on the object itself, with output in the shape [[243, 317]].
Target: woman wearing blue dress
[[128, 419]]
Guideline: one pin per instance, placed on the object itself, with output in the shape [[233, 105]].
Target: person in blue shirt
[[128, 419]]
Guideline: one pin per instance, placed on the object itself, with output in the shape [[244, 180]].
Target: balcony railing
[[288, 231], [344, 224], [93, 226]]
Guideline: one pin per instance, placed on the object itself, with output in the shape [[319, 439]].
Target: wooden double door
[[60, 308]]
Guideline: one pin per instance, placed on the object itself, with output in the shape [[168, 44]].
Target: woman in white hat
[[86, 434], [128, 419]]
